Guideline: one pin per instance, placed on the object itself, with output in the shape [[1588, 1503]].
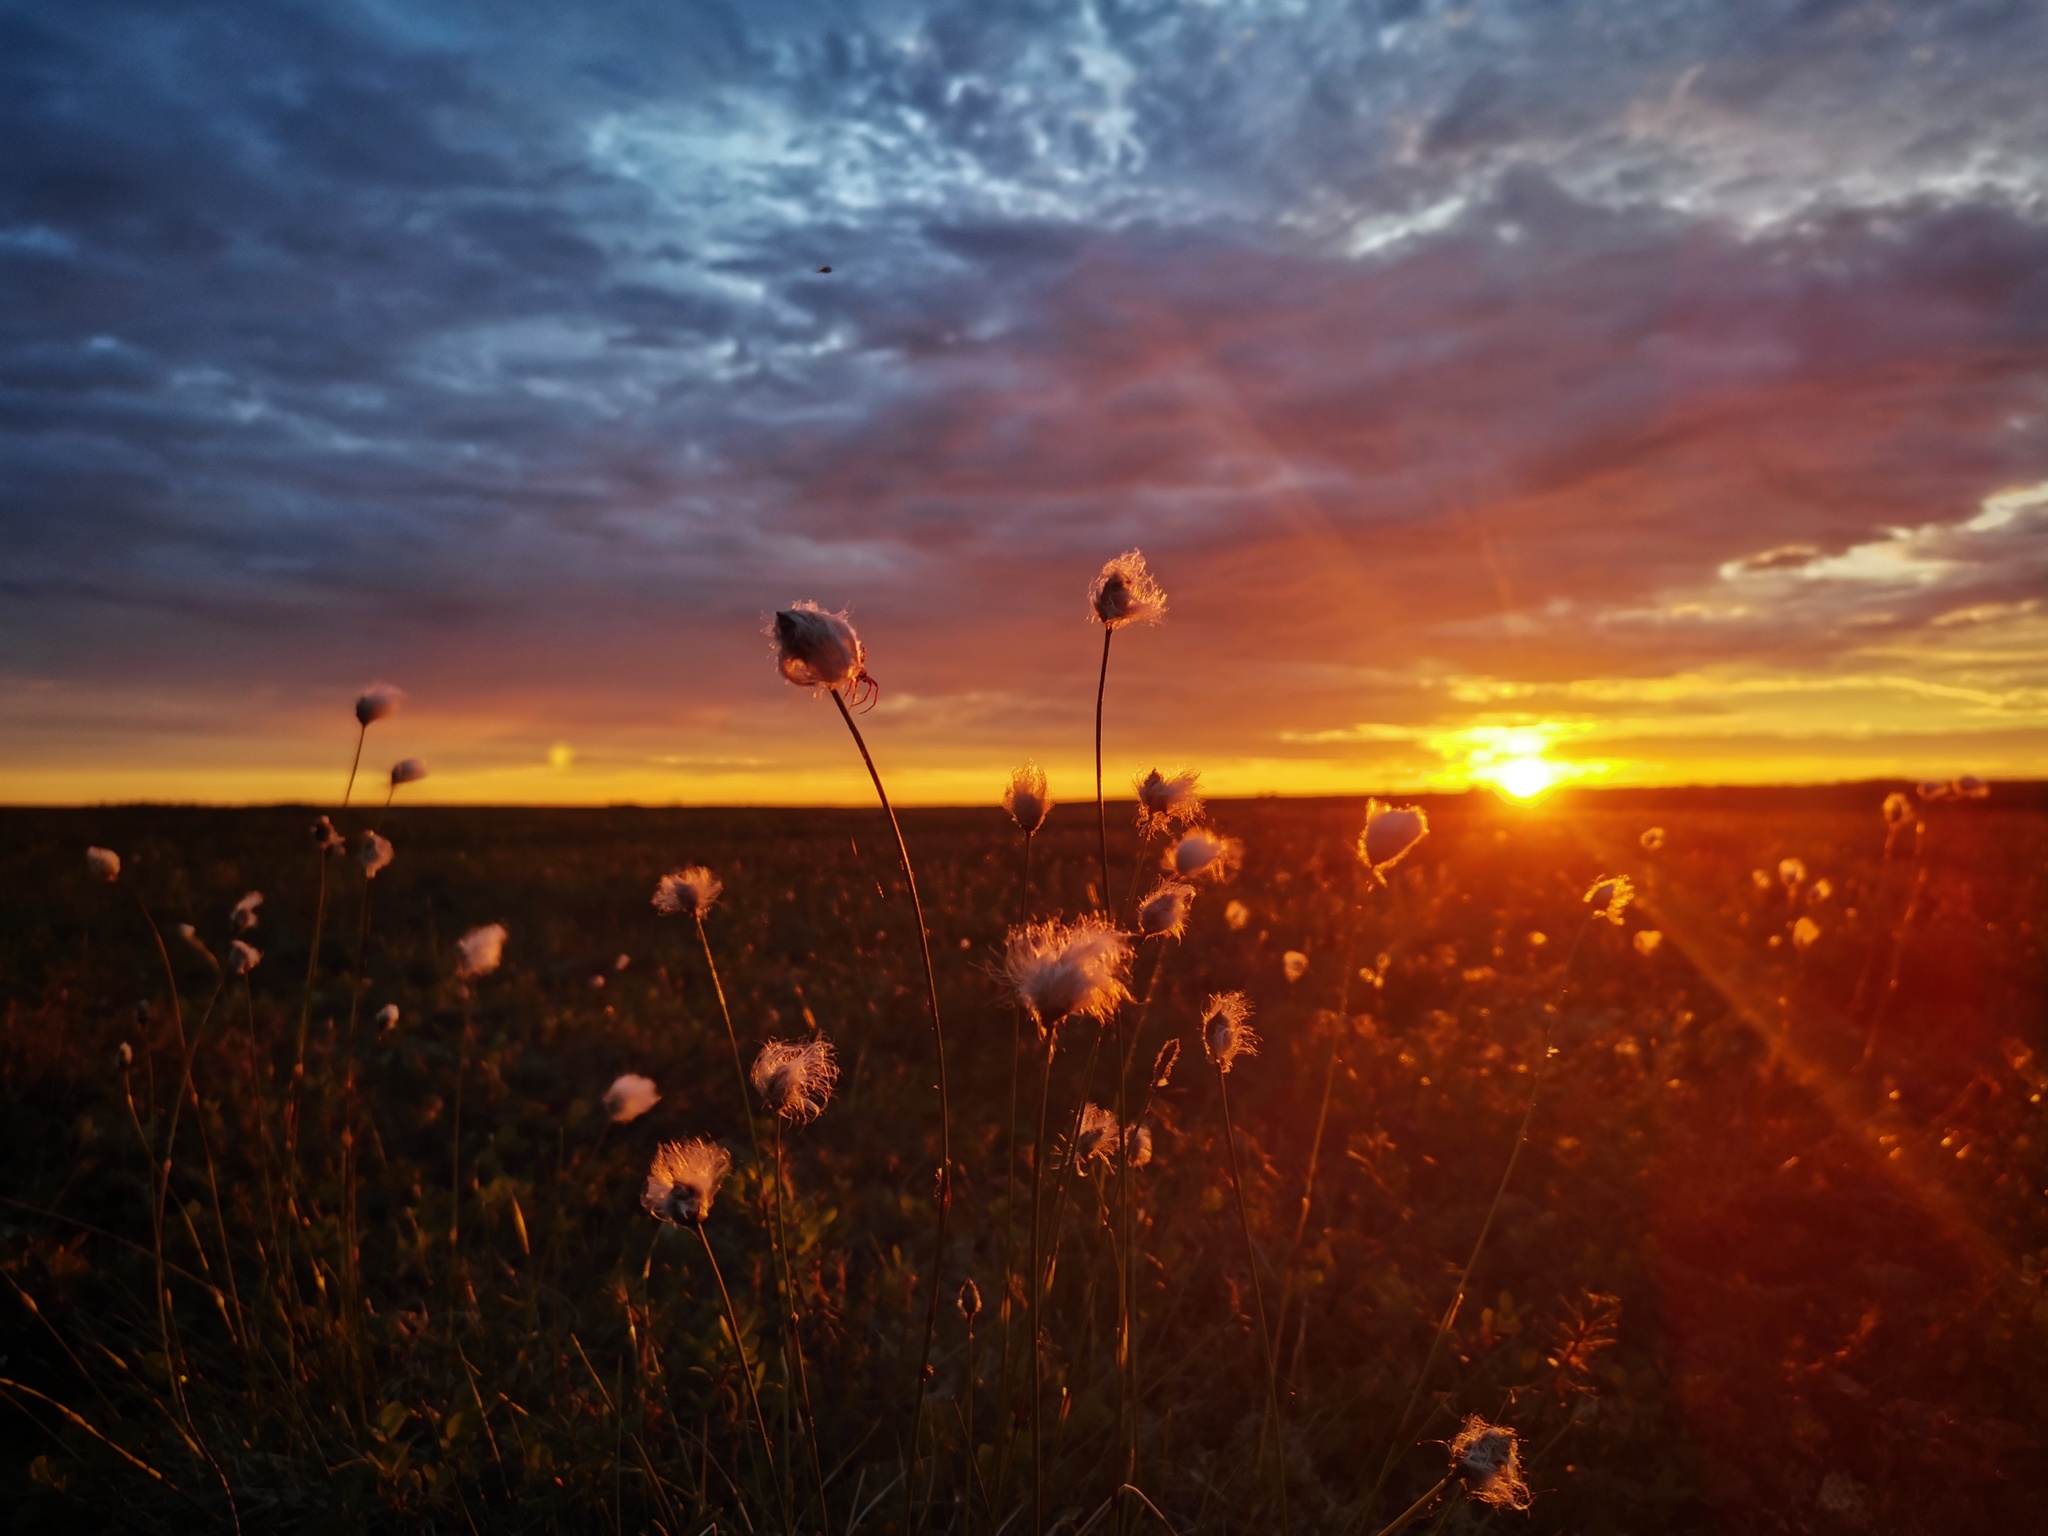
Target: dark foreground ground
[[1771, 1261]]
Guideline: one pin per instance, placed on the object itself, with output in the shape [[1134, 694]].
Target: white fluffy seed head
[[1026, 798], [243, 958], [694, 890], [1970, 787], [103, 864], [325, 838], [1648, 941], [387, 1017], [407, 771], [1096, 1138], [795, 1078], [1236, 915], [629, 1097], [1124, 592], [378, 701], [1652, 839], [1609, 897], [1203, 854], [1390, 831], [1163, 914], [1934, 789], [1168, 800], [1487, 1460], [816, 649], [1226, 1029], [683, 1180], [1294, 965], [1137, 1146], [1792, 873], [1068, 970], [373, 853], [242, 916], [1898, 810], [1805, 933], [480, 950]]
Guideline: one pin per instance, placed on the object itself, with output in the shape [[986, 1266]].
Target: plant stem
[[796, 1342], [1395, 1524], [1258, 1301], [931, 978], [1037, 1294], [738, 1067], [1101, 813], [732, 1320]]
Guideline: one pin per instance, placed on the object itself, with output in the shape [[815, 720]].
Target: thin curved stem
[[1037, 1296], [1101, 813], [796, 1342], [931, 978], [1394, 1525], [732, 1321], [724, 1012], [1251, 1254]]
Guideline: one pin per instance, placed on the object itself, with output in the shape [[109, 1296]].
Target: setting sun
[[1525, 778]]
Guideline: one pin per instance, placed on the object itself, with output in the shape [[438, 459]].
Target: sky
[[1615, 391]]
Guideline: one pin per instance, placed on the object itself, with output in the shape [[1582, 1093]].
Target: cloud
[[1637, 339]]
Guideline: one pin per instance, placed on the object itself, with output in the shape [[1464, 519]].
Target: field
[[1771, 1258]]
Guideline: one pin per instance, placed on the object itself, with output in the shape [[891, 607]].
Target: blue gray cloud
[[1485, 347]]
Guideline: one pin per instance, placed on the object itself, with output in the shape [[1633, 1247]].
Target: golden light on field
[[1526, 778]]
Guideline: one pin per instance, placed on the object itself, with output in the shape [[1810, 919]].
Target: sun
[[1524, 778]]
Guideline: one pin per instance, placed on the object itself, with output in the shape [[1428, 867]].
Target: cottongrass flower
[[816, 649], [1805, 934], [387, 1018], [1095, 1136], [103, 864], [1236, 915], [325, 838], [1163, 914], [1934, 789], [683, 1180], [1648, 941], [1067, 970], [1487, 1460], [407, 771], [1203, 854], [190, 936], [373, 853], [1226, 1029], [629, 1097], [1027, 799], [125, 1056], [243, 914], [1390, 832], [243, 958], [795, 1078], [1897, 809], [1970, 787], [693, 890], [377, 702], [481, 950], [1294, 965], [1792, 873], [1609, 897], [1137, 1146], [1166, 801], [968, 1300], [1762, 880], [1652, 839], [1124, 592], [1820, 890]]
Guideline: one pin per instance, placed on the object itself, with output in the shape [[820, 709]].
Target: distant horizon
[[1998, 787]]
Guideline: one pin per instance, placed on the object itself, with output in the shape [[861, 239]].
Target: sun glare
[[1524, 778]]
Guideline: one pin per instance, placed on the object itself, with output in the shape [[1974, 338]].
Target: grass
[[1742, 1280]]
